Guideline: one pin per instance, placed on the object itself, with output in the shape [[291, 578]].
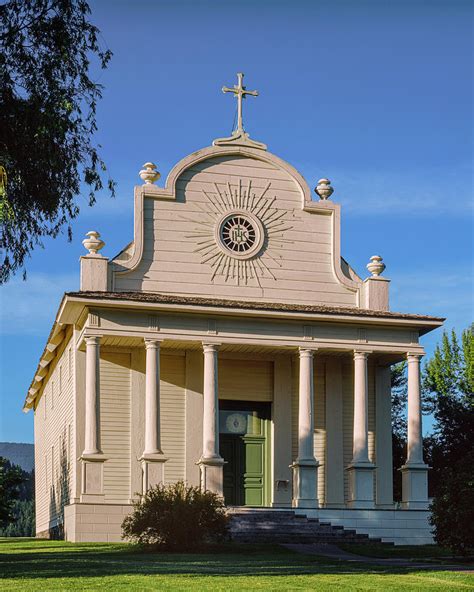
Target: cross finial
[[240, 93]]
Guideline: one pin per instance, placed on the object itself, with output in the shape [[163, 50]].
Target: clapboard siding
[[115, 424], [54, 441], [320, 426], [246, 380], [172, 400], [347, 418], [299, 261], [371, 415]]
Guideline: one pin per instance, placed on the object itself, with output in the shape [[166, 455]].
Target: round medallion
[[240, 234], [236, 423]]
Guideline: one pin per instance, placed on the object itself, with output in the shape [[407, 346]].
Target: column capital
[[307, 352], [92, 339], [210, 347], [152, 343], [414, 357], [359, 354]]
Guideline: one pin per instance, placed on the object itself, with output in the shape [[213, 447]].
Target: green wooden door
[[245, 446]]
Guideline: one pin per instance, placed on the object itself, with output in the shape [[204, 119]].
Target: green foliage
[[176, 517], [448, 381], [23, 524], [48, 96], [452, 510], [450, 372], [11, 479], [399, 399]]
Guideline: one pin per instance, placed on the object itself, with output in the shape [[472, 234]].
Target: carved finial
[[376, 266], [149, 174], [93, 243], [324, 189]]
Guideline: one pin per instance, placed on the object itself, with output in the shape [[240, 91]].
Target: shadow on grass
[[56, 559]]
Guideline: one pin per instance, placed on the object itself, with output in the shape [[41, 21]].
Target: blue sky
[[375, 95]]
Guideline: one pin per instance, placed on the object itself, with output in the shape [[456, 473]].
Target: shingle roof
[[151, 297]]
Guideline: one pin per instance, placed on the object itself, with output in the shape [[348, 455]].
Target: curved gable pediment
[[236, 222]]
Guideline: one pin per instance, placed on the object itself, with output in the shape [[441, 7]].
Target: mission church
[[231, 346]]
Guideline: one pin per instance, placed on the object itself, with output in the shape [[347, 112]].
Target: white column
[[92, 481], [360, 446], [152, 459], [92, 414], [305, 468], [211, 463], [414, 472], [152, 397], [361, 477], [306, 407], [415, 441], [210, 442]]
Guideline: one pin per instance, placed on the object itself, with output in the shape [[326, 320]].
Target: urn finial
[[376, 265], [149, 174], [93, 243], [324, 189]]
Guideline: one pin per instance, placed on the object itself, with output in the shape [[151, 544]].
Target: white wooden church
[[228, 345]]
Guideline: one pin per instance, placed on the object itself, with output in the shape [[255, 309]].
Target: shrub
[[452, 510], [176, 517]]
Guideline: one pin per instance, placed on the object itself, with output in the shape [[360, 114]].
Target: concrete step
[[285, 526]]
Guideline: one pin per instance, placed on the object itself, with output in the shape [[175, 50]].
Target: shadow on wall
[[59, 492]]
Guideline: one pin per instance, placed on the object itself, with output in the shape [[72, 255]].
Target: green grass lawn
[[28, 564]]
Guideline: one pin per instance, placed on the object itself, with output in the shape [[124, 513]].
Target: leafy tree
[[11, 479], [448, 380], [48, 118], [176, 517], [23, 524], [452, 510]]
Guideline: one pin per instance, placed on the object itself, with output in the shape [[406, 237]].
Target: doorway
[[244, 440]]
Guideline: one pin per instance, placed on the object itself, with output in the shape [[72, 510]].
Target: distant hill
[[19, 454]]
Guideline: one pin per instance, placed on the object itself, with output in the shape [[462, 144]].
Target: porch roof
[[194, 301]]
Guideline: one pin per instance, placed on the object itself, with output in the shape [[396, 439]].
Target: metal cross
[[240, 92]]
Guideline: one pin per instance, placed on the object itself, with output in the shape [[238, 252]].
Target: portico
[[366, 474]]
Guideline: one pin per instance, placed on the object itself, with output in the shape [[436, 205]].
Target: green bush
[[176, 517], [452, 510]]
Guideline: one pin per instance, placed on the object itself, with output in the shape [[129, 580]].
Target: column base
[[305, 483], [414, 486], [361, 485], [153, 468], [92, 477], [212, 474]]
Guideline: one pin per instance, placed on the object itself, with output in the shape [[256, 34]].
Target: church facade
[[229, 345]]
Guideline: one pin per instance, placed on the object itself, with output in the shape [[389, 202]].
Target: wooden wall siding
[[115, 424], [170, 263], [54, 437], [245, 380], [172, 399], [320, 425], [347, 418], [319, 419], [371, 416]]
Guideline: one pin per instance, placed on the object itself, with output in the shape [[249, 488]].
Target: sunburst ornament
[[239, 230]]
